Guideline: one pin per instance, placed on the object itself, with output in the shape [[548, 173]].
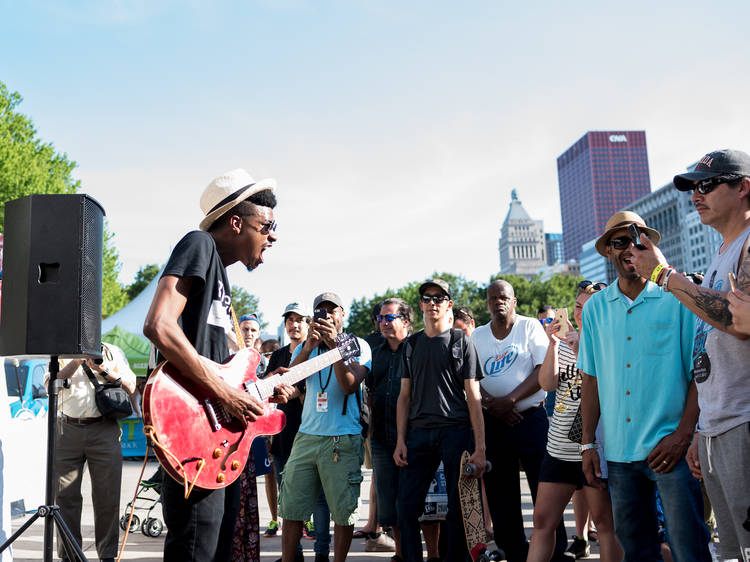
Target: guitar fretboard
[[297, 373]]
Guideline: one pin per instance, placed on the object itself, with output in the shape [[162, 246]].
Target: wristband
[[666, 279], [586, 447], [655, 273]]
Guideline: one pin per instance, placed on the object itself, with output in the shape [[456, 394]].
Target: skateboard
[[473, 514]]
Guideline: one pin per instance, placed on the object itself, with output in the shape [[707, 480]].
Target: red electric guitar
[[197, 442]]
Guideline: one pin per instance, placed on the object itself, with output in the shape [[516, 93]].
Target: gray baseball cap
[[328, 297], [714, 164], [439, 283], [296, 307]]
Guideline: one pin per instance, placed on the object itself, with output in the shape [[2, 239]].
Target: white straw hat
[[225, 191]]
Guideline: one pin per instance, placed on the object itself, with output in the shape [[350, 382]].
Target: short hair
[[403, 307], [263, 198], [544, 308], [375, 311], [462, 313], [271, 344]]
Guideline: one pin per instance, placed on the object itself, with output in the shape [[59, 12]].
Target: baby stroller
[[146, 498]]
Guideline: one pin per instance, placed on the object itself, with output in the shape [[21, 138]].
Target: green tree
[[245, 303], [143, 277], [114, 296], [28, 165]]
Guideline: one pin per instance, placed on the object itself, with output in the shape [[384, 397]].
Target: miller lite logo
[[705, 162], [497, 364]]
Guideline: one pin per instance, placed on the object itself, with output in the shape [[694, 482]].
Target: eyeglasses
[[705, 187], [388, 317], [546, 321], [585, 284], [620, 243], [437, 299]]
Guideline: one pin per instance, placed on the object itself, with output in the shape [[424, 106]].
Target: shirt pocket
[[659, 334]]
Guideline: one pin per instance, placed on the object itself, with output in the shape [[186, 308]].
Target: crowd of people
[[649, 429]]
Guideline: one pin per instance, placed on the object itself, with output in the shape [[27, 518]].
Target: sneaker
[[273, 529], [579, 547], [380, 543], [308, 530]]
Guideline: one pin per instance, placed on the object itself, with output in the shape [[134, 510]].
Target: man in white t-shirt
[[511, 349]]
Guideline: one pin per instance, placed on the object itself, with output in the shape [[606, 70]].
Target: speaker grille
[[91, 276]]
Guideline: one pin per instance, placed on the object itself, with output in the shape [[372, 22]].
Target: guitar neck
[[298, 372]]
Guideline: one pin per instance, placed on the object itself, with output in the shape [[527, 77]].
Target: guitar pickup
[[209, 409]]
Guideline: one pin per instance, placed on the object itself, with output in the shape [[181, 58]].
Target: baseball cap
[[439, 283], [713, 164], [295, 307], [328, 297], [252, 317]]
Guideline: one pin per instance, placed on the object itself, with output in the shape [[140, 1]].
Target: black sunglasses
[[707, 186], [585, 284], [620, 243], [437, 299]]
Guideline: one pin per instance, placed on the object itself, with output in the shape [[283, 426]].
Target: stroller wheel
[[134, 525], [152, 527]]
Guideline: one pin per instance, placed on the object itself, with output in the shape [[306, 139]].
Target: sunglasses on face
[[705, 187], [583, 285], [620, 243], [388, 317], [546, 321], [265, 227], [437, 299]]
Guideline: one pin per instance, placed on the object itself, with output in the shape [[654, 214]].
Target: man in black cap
[[720, 183], [328, 450], [438, 407]]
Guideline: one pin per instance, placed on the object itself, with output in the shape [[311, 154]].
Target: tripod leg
[[69, 543], [20, 531]]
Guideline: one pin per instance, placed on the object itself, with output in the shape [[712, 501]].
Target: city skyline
[[396, 132]]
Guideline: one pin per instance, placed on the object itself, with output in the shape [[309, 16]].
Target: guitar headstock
[[348, 346]]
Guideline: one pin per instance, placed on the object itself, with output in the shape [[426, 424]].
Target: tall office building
[[601, 173], [555, 253]]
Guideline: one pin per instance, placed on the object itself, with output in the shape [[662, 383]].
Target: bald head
[[501, 300]]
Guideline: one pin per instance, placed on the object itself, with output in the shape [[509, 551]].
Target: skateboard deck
[[472, 513]]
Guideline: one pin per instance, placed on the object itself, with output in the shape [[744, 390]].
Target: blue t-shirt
[[641, 356], [332, 421]]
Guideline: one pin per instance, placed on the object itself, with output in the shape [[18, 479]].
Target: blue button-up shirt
[[641, 356]]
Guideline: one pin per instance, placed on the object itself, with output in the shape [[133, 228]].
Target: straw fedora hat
[[621, 220], [226, 191]]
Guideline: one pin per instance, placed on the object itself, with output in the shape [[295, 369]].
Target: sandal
[[361, 534]]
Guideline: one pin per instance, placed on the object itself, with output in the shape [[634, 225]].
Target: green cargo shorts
[[311, 465]]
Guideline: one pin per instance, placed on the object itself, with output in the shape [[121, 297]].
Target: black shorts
[[564, 472]]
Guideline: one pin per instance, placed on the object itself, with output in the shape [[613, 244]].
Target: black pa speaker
[[52, 276]]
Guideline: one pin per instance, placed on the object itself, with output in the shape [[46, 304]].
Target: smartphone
[[635, 235], [732, 281], [561, 319], [320, 314]]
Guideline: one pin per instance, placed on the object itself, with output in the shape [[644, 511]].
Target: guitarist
[[328, 450], [190, 322]]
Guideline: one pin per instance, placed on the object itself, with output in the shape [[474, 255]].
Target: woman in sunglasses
[[561, 473]]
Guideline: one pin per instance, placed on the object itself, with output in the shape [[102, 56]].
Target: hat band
[[229, 198]]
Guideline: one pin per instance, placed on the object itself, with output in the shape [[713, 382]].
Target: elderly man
[[86, 437], [721, 454], [635, 354]]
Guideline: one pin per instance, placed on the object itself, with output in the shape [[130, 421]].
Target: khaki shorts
[[310, 466]]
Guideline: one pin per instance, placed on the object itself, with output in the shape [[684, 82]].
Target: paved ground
[[147, 549]]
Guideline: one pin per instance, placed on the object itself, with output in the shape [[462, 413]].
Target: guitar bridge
[[209, 408]]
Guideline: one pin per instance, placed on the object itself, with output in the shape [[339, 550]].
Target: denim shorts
[[311, 465]]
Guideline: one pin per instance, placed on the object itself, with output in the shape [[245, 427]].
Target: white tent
[[130, 318]]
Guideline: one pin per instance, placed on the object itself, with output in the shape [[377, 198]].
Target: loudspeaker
[[52, 276]]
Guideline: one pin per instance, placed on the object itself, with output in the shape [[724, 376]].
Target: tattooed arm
[[709, 305]]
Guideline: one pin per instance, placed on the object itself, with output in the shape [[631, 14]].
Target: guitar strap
[[237, 333]]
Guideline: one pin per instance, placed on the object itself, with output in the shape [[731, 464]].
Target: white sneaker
[[381, 543]]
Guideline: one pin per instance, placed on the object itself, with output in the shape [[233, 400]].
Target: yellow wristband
[[655, 273]]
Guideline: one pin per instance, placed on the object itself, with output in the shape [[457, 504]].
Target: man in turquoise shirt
[[636, 355]]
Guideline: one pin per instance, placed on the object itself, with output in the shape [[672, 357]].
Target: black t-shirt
[[207, 315], [384, 385], [438, 398], [281, 444]]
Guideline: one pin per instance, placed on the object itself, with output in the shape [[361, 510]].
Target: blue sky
[[395, 130]]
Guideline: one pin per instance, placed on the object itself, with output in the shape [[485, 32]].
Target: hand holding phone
[[320, 314], [561, 319], [635, 235]]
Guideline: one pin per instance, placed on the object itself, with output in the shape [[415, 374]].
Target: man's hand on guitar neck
[[282, 393]]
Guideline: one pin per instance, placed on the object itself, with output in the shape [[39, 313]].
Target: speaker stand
[[50, 511]]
